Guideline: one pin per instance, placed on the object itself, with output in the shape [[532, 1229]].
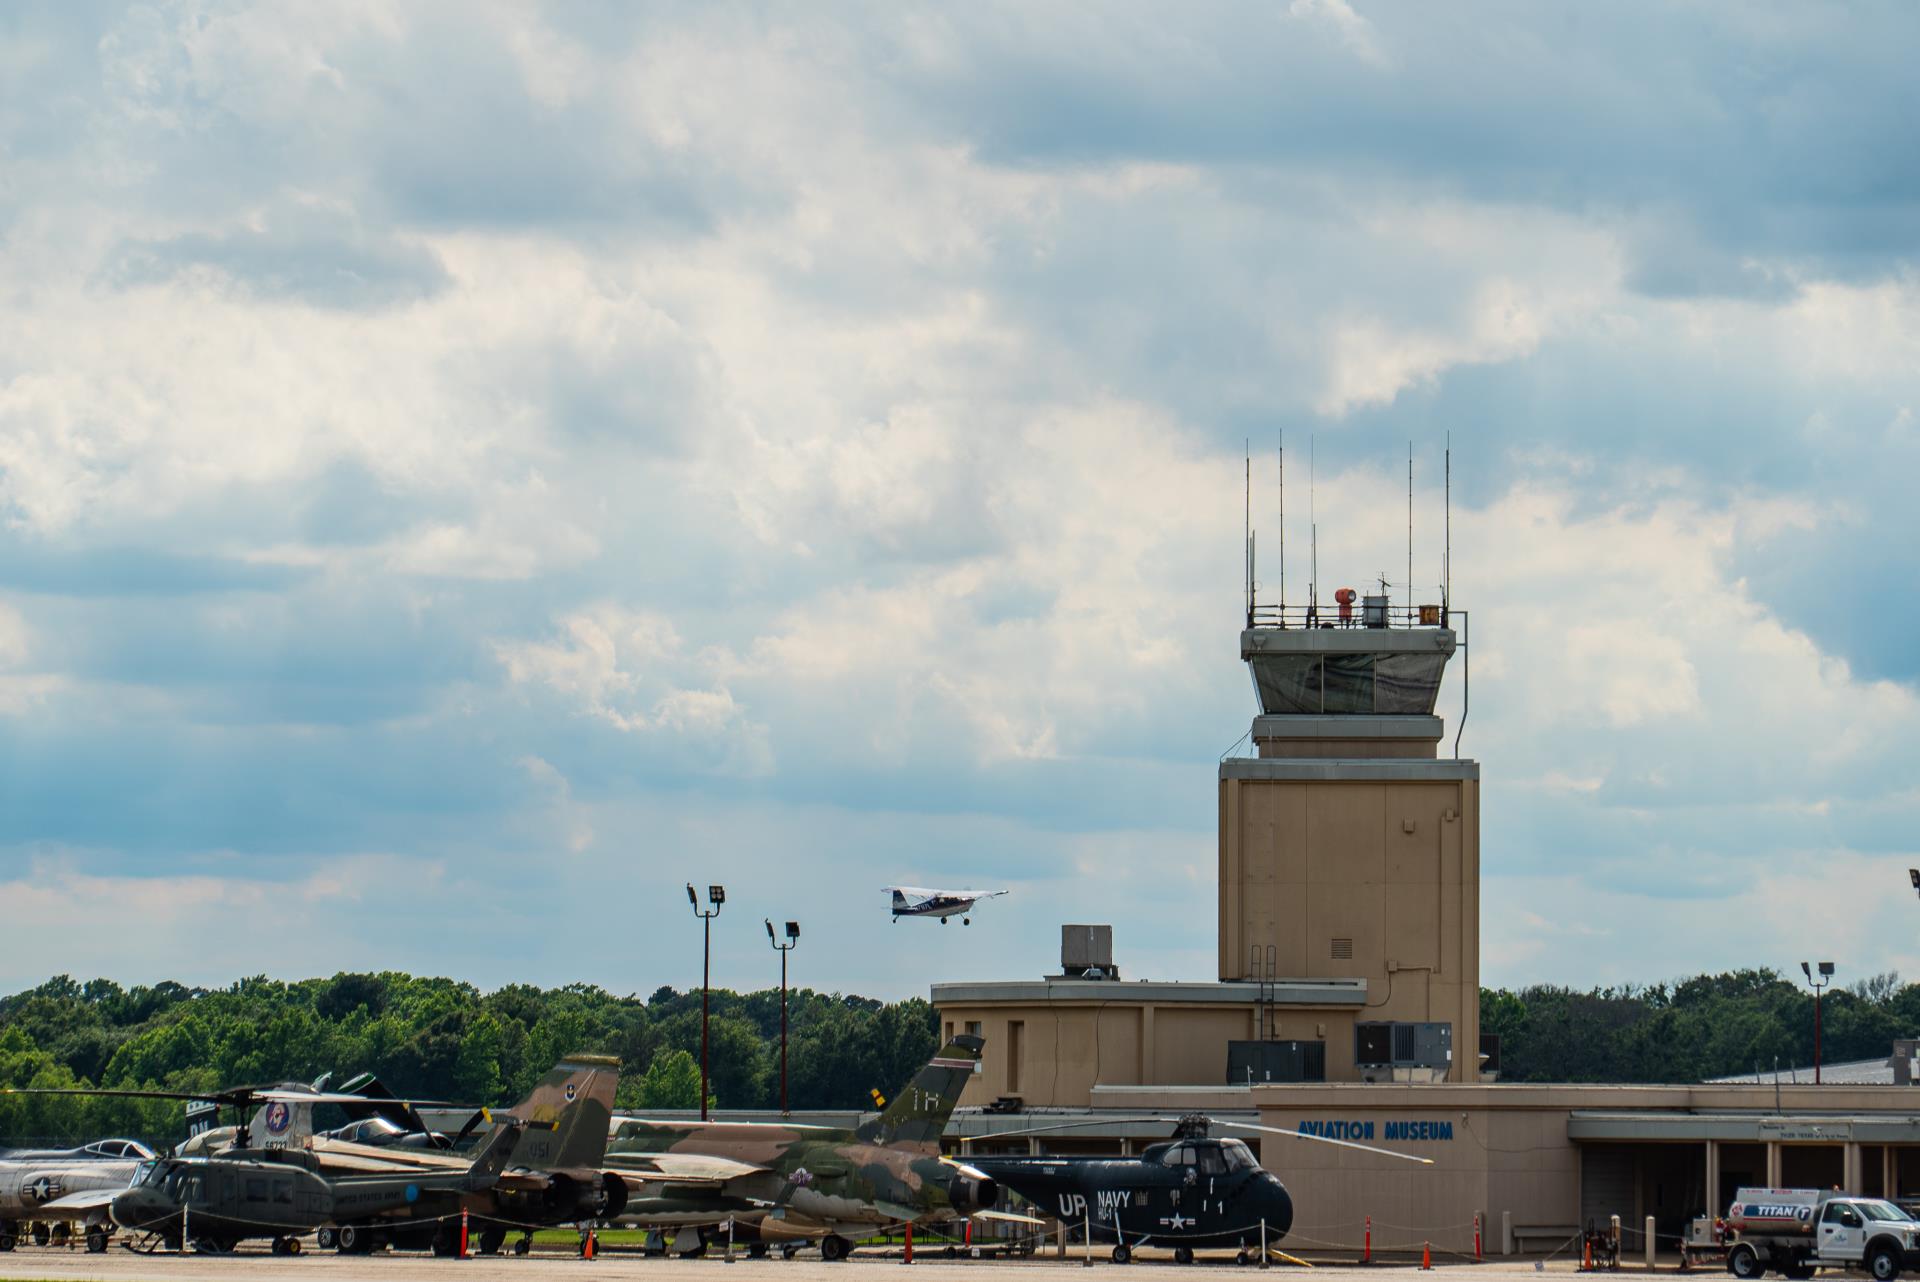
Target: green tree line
[[1694, 1029], [431, 1039]]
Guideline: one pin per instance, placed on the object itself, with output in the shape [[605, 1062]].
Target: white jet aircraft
[[918, 901]]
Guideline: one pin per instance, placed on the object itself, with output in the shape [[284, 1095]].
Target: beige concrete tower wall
[[1366, 870]]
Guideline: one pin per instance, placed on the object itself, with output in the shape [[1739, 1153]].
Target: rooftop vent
[[1086, 952]]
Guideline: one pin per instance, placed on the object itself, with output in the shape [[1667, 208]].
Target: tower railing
[[1354, 615]]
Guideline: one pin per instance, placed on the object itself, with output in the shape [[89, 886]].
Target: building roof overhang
[[1311, 993]]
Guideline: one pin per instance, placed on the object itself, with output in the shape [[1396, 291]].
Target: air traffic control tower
[[1349, 845], [1349, 896]]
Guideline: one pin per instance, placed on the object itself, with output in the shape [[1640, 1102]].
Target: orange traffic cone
[[1426, 1255]]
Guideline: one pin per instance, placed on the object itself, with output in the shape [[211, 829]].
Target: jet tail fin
[[919, 1112], [492, 1158], [574, 1099]]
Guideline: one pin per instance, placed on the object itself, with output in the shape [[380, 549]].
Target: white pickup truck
[[1796, 1231]]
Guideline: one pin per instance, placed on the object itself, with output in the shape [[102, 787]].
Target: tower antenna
[[1313, 542], [1409, 532], [1446, 556], [1246, 532], [1283, 527]]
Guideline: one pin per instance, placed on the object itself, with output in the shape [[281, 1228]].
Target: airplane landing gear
[[524, 1245], [966, 921], [286, 1246], [945, 920], [96, 1240], [1122, 1254], [1183, 1255], [834, 1247], [492, 1239]]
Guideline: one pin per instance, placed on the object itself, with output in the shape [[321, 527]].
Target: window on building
[[949, 1030], [1016, 1049]]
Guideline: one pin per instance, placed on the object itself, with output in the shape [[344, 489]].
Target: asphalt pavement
[[32, 1263]]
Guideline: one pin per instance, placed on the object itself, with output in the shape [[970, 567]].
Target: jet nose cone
[[1279, 1206]]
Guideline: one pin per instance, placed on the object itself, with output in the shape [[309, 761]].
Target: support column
[[1773, 1164], [1147, 1048], [1852, 1177], [1713, 1206], [1889, 1171]]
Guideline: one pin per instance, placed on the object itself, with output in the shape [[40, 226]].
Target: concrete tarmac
[[29, 1263]]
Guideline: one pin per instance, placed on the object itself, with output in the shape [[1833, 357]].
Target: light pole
[[716, 895], [793, 937], [1826, 977]]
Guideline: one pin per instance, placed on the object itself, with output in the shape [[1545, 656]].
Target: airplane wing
[[683, 1168], [1007, 1216], [89, 1200], [912, 892]]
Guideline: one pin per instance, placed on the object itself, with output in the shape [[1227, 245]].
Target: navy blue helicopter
[[1194, 1190]]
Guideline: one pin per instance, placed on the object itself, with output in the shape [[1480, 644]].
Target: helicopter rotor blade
[[479, 1115], [1322, 1139], [1063, 1126]]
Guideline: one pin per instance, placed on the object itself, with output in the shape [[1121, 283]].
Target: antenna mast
[[1409, 531], [1313, 543], [1246, 533], [1283, 527], [1446, 557]]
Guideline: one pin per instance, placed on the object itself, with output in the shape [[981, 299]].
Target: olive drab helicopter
[[215, 1194], [1193, 1190]]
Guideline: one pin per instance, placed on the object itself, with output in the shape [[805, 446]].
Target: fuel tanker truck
[[1796, 1231]]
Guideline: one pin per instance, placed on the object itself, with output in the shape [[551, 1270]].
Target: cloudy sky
[[468, 469]]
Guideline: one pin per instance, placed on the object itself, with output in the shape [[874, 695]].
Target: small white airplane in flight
[[918, 901]]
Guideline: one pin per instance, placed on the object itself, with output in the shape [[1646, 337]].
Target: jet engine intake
[[968, 1193]]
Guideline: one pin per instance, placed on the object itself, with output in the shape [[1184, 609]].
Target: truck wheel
[[1883, 1264], [1744, 1262], [1800, 1268]]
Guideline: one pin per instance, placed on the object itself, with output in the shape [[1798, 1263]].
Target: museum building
[[1347, 999]]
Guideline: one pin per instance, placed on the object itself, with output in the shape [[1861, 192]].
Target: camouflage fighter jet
[[779, 1182], [555, 1176]]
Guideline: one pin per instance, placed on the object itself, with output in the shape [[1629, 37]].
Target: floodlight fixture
[[716, 894], [692, 898], [1913, 875], [1826, 977], [793, 941]]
